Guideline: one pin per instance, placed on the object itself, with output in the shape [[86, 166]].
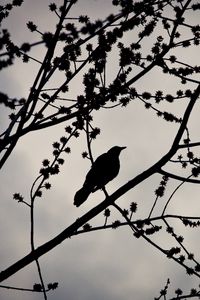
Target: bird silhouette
[[104, 169]]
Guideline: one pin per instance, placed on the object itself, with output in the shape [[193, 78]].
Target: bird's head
[[116, 150]]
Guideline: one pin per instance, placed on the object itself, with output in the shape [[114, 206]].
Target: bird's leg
[[105, 192]]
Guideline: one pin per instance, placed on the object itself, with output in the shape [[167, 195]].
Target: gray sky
[[109, 264]]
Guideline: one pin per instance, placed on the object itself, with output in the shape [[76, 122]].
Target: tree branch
[[107, 202], [177, 177]]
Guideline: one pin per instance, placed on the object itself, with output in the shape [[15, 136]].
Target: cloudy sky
[[109, 264]]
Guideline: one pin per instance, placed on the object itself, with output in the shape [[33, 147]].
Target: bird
[[104, 169]]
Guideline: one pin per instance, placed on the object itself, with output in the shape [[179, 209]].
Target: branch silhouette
[[107, 202], [90, 66]]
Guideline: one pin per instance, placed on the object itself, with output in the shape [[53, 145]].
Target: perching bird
[[104, 169]]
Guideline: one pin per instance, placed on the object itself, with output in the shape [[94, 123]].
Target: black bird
[[104, 169]]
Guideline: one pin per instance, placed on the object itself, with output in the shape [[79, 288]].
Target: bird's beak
[[122, 148]]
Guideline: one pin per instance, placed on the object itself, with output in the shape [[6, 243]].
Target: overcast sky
[[110, 264]]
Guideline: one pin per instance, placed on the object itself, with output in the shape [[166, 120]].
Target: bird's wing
[[104, 169], [97, 171], [99, 165]]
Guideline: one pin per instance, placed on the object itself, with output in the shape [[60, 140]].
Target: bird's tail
[[81, 195]]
